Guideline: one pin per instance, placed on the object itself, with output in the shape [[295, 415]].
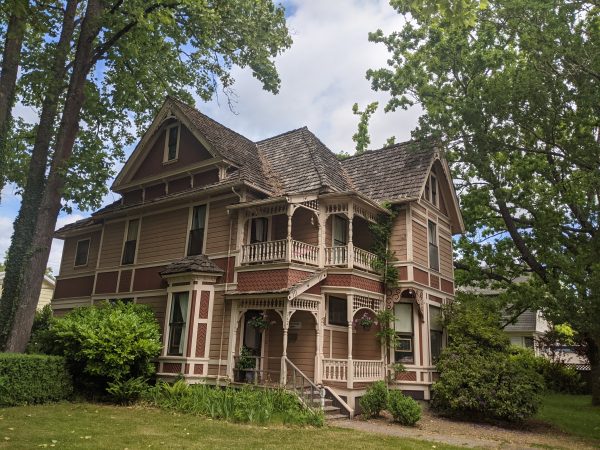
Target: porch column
[[322, 221], [350, 375], [233, 330], [283, 375], [319, 353], [290, 213], [350, 243]]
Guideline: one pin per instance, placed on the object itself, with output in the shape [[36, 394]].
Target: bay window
[[403, 324], [436, 333], [178, 323]]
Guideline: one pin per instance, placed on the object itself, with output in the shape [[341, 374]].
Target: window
[[258, 230], [130, 242], [434, 257], [177, 323], [436, 332], [196, 239], [340, 231], [338, 311], [427, 190], [172, 143], [403, 324], [528, 341], [434, 190], [81, 252]]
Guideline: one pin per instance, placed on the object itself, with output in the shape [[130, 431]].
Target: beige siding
[[62, 307], [365, 344], [163, 236], [445, 246], [398, 239], [219, 336], [302, 342], [218, 228], [68, 256], [419, 233], [158, 305], [339, 344], [112, 244], [45, 294]]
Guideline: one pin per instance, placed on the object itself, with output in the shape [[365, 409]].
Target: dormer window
[[172, 143]]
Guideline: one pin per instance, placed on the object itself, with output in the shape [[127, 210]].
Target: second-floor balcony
[[301, 252]]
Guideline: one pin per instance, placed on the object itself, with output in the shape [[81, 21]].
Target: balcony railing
[[271, 251], [336, 256], [363, 259]]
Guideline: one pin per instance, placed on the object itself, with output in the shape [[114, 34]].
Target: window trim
[[167, 329], [432, 179], [329, 297], [431, 330], [268, 220], [137, 240], [189, 228], [407, 335], [166, 159], [333, 220], [87, 256], [435, 244]]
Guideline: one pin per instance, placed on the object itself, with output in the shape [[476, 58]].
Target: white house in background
[[527, 329], [45, 294]]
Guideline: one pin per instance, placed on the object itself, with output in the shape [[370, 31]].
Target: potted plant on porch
[[366, 321], [245, 365], [260, 322]]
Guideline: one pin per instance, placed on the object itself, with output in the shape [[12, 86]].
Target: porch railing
[[336, 256], [257, 370], [270, 251], [359, 371], [297, 382], [364, 259]]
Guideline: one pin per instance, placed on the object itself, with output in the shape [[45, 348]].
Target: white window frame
[[167, 328], [137, 241], [437, 244], [333, 220], [189, 227], [166, 159], [335, 325], [87, 256], [269, 228], [403, 335]]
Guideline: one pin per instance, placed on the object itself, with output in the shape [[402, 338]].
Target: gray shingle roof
[[196, 263], [300, 162], [391, 173]]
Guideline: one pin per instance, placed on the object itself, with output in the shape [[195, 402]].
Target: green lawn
[[92, 426], [573, 414]]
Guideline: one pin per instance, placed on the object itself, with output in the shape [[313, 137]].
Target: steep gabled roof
[[392, 173], [302, 163]]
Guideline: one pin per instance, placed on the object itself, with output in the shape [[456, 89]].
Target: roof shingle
[[196, 263]]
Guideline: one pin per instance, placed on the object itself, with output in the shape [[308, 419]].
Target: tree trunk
[[11, 58], [24, 225], [50, 205], [593, 355]]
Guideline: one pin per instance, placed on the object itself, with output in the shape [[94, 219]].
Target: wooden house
[[265, 246]]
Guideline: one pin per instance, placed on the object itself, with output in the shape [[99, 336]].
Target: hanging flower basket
[[366, 321], [261, 322]]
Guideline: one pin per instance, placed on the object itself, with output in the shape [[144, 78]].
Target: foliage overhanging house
[[217, 233]]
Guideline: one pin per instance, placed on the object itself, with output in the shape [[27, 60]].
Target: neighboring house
[[527, 329], [46, 292], [214, 230]]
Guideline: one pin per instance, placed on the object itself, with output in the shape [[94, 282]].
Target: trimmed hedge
[[27, 379]]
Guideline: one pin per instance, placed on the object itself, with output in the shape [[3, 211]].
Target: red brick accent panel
[[148, 278], [407, 376], [228, 268], [447, 286], [354, 281], [171, 367], [270, 279], [200, 340], [125, 281], [106, 282], [190, 327], [421, 276], [198, 369], [403, 273], [74, 287], [204, 304], [435, 299], [316, 289], [434, 281]]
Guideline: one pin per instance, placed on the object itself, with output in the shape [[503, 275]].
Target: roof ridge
[[295, 130], [384, 148]]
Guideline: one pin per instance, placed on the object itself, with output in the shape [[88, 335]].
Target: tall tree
[[121, 60], [512, 89]]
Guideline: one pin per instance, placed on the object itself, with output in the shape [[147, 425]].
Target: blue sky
[[322, 75]]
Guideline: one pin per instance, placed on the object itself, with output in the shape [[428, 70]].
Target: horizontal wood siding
[[339, 344], [302, 343], [398, 238], [158, 305], [274, 345], [112, 245], [162, 236], [217, 234], [68, 256], [419, 233], [365, 344], [219, 336]]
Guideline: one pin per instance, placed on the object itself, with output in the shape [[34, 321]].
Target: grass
[[572, 414], [94, 426]]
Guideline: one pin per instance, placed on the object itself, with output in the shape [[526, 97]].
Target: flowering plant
[[261, 322], [366, 320]]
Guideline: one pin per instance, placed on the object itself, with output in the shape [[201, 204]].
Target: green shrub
[[246, 405], [484, 384], [404, 410], [106, 343], [41, 324], [27, 379], [128, 391], [559, 377], [375, 399]]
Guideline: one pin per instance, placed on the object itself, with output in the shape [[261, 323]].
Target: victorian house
[[261, 252]]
